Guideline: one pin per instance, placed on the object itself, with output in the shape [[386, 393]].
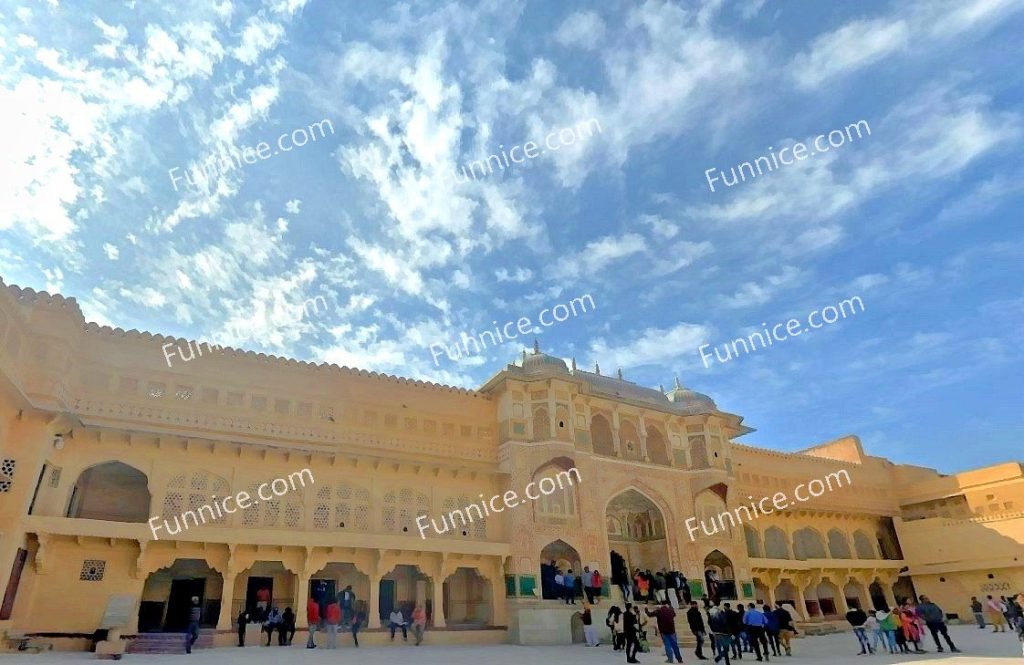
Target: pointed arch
[[601, 435], [112, 491], [657, 446], [838, 545]]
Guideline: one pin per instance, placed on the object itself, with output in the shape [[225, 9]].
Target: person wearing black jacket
[[786, 627], [287, 630], [696, 623], [243, 621], [718, 623], [631, 628], [735, 628]]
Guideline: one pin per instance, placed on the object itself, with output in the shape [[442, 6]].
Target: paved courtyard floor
[[839, 649]]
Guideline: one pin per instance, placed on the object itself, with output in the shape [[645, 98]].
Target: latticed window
[[402, 508], [194, 490], [284, 510], [476, 524], [350, 505]]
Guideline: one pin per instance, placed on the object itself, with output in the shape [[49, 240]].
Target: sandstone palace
[[98, 435]]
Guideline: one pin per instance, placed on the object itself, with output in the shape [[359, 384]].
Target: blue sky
[[99, 100]]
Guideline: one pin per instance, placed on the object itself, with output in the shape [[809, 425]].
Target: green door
[[387, 599]]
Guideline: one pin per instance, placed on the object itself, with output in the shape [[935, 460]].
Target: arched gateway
[[636, 536]]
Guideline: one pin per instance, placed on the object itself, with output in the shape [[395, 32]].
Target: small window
[[561, 424]]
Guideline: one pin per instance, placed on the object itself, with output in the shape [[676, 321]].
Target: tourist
[[333, 620], [347, 601], [577, 589], [419, 623], [995, 615], [786, 628], [672, 588], [631, 631], [642, 585], [707, 602], [735, 629], [589, 633], [857, 618], [721, 639], [313, 619], [696, 623], [649, 577], [872, 627], [666, 617], [356, 624], [287, 632], [262, 603], [659, 584], [598, 583], [272, 623], [396, 621], [935, 619], [684, 586], [1014, 612], [194, 615], [979, 612], [569, 583], [620, 578], [713, 581], [614, 623], [771, 628], [242, 621], [587, 579], [755, 623]]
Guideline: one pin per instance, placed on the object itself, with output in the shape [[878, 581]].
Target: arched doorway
[[903, 589], [167, 596], [719, 577], [467, 598], [113, 492], [826, 594], [556, 557], [878, 600], [405, 587], [636, 533]]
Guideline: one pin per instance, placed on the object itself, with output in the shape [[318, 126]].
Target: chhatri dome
[[679, 399]]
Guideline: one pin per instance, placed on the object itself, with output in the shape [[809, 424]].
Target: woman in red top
[[598, 585]]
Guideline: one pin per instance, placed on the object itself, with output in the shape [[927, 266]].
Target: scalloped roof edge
[[44, 297]]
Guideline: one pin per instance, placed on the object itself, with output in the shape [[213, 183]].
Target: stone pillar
[[643, 440], [890, 597], [227, 599], [841, 603], [302, 598], [801, 601], [498, 616], [373, 620], [437, 605], [615, 433]]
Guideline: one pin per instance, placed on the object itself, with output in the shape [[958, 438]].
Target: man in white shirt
[[398, 621]]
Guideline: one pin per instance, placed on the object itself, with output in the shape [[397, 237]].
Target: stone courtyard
[[834, 649]]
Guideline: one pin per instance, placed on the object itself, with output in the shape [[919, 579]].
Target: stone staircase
[[172, 643]]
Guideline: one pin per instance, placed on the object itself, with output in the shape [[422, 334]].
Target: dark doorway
[[151, 616], [324, 592], [387, 598], [259, 593], [179, 604]]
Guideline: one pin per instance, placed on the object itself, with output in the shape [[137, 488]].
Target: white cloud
[[258, 35], [292, 206], [583, 29], [651, 346], [520, 275], [848, 48], [111, 251], [597, 255], [752, 294]]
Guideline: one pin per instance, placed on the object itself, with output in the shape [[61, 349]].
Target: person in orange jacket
[[313, 618], [333, 619]]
